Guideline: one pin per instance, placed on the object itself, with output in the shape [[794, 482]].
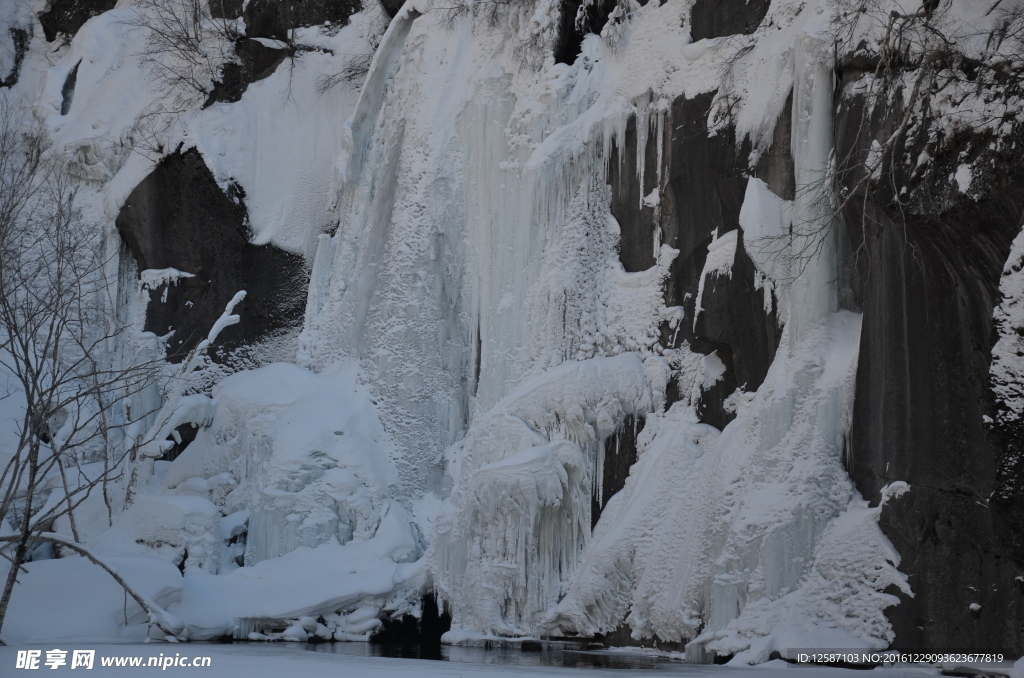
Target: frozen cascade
[[513, 528], [475, 247], [731, 538], [476, 255], [814, 262]]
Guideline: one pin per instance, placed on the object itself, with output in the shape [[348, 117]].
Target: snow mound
[[40, 609]]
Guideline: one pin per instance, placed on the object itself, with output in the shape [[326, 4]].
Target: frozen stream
[[355, 660]]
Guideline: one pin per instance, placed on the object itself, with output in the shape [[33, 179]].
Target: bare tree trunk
[[22, 539], [67, 495]]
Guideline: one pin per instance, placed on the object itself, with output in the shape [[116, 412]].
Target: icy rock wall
[[721, 536], [935, 284], [724, 538], [476, 253]]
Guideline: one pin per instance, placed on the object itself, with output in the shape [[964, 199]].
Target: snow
[[183, 530], [765, 220], [154, 278], [296, 464], [287, 175], [721, 255], [108, 116], [15, 15], [39, 607], [725, 532], [325, 580], [759, 78], [963, 177], [1008, 316]]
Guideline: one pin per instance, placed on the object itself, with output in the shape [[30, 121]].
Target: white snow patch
[[963, 178], [765, 220], [721, 255], [1006, 369]]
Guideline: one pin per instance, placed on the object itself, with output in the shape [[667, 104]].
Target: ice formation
[[518, 516], [470, 335]]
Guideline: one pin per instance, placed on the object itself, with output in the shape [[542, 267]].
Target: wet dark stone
[[410, 631], [734, 319], [20, 38], [68, 91], [178, 217], [636, 221], [929, 264], [707, 179], [186, 433], [745, 337], [704, 180], [717, 18], [258, 62], [275, 18], [392, 6], [226, 9], [620, 454], [711, 408], [951, 550], [775, 165], [67, 16], [570, 37]]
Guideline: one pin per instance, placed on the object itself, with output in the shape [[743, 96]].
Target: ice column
[[814, 267]]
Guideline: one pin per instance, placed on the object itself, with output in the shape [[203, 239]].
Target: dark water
[[530, 655]]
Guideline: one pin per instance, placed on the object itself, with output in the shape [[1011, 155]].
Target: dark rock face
[[637, 222], [20, 38], [258, 62], [226, 9], [178, 217], [703, 180], [570, 36], [415, 637], [67, 92], [392, 6], [275, 18], [929, 266], [620, 454], [67, 16], [717, 18]]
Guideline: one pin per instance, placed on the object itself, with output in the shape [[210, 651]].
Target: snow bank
[[41, 609], [304, 453], [377, 576], [281, 141]]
